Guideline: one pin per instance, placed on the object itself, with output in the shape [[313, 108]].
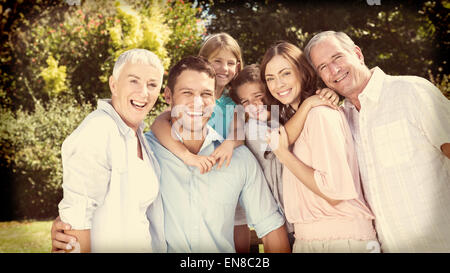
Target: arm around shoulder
[[162, 129]]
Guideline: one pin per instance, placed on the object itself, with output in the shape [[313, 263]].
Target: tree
[[402, 37], [86, 39], [55, 62]]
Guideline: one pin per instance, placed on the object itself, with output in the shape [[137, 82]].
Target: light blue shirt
[[199, 209], [222, 115]]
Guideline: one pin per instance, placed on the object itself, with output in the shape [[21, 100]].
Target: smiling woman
[[321, 185], [135, 86], [111, 186]]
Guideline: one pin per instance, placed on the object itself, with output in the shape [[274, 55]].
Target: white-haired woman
[[111, 184]]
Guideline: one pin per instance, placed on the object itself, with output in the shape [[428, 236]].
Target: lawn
[[34, 237], [25, 237]]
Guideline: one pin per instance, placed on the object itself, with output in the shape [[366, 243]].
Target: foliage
[[31, 150], [54, 77], [188, 26], [442, 83], [402, 37], [145, 29], [54, 63], [87, 39]]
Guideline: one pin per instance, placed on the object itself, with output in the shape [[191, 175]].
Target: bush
[[31, 155], [86, 40], [54, 77], [32, 152], [54, 65]]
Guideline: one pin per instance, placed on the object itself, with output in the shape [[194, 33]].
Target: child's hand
[[224, 153], [325, 97], [202, 162], [315, 100], [329, 95], [278, 140]]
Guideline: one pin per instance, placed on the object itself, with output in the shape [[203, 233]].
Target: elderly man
[[199, 209], [401, 129]]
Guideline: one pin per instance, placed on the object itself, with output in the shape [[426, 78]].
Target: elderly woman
[[111, 184]]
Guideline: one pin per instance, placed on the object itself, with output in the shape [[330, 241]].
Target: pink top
[[326, 145]]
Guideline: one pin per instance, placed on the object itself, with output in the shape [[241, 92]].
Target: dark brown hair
[[249, 74], [306, 74], [196, 63]]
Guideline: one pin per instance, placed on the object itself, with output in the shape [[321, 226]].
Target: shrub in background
[[54, 66], [54, 77], [87, 39], [31, 149]]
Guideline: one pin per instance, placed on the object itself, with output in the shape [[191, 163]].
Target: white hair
[[137, 56], [346, 42]]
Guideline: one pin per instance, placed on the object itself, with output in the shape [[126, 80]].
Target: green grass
[[25, 237], [34, 237]]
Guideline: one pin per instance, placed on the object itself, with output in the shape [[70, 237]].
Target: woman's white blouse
[[107, 188]]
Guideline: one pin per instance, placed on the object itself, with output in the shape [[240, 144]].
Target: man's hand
[[61, 242]]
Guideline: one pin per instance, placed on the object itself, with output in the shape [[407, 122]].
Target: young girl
[[224, 53], [248, 90], [321, 186]]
